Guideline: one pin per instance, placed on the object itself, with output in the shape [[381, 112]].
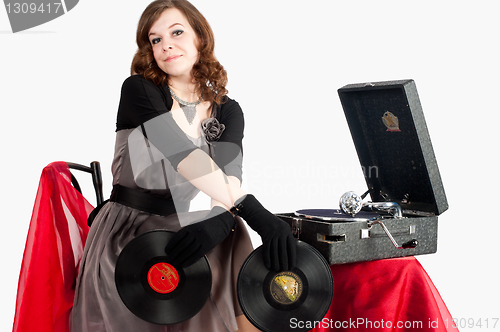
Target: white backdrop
[[60, 86]]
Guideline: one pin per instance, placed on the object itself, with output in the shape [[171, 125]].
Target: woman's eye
[[155, 41], [177, 32]]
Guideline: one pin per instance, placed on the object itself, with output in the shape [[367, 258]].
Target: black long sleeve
[[145, 104]]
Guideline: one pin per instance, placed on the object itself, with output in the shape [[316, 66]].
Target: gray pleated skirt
[[98, 306]]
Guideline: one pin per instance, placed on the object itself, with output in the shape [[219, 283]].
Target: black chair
[[95, 171]]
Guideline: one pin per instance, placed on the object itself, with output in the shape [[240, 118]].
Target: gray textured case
[[395, 152]]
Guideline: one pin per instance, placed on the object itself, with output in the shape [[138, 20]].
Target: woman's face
[[174, 44]]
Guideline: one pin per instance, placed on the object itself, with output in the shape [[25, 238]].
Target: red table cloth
[[385, 295]]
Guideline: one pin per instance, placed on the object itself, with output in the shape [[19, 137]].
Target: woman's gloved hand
[[279, 244], [193, 241]]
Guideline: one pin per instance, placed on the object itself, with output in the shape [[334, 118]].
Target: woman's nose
[[167, 45]]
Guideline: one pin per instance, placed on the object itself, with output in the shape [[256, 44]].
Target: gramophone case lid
[[393, 144]]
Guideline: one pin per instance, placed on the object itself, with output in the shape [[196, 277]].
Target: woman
[[162, 160]]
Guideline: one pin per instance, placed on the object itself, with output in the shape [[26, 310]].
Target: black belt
[[143, 201]]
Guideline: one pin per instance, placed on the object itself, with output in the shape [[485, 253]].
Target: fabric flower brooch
[[212, 129]]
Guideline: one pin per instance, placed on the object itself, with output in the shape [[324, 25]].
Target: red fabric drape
[[54, 247], [385, 295]]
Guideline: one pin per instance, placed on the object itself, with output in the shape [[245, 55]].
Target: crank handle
[[407, 245]]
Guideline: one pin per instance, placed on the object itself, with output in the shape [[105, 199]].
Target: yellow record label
[[286, 287]]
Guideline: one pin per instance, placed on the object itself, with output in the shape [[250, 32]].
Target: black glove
[[193, 241], [280, 247]]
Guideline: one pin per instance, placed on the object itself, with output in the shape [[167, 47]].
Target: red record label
[[163, 278]]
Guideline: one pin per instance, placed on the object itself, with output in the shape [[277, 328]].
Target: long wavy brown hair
[[209, 75]]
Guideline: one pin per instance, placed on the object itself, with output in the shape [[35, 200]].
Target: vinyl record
[[156, 291], [292, 300]]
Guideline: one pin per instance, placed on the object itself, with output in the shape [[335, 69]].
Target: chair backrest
[[95, 171]]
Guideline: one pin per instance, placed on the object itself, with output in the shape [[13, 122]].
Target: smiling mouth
[[172, 58]]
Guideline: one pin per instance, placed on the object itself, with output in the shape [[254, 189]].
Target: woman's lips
[[172, 58]]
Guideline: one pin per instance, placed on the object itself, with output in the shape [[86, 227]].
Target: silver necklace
[[189, 108]]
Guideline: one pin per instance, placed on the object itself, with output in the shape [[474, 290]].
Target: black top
[[146, 105]]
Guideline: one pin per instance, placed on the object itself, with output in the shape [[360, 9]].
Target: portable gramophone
[[392, 141]]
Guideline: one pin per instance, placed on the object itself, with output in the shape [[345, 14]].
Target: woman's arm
[[203, 173], [235, 181]]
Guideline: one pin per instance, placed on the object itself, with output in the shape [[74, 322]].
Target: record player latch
[[296, 227]]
